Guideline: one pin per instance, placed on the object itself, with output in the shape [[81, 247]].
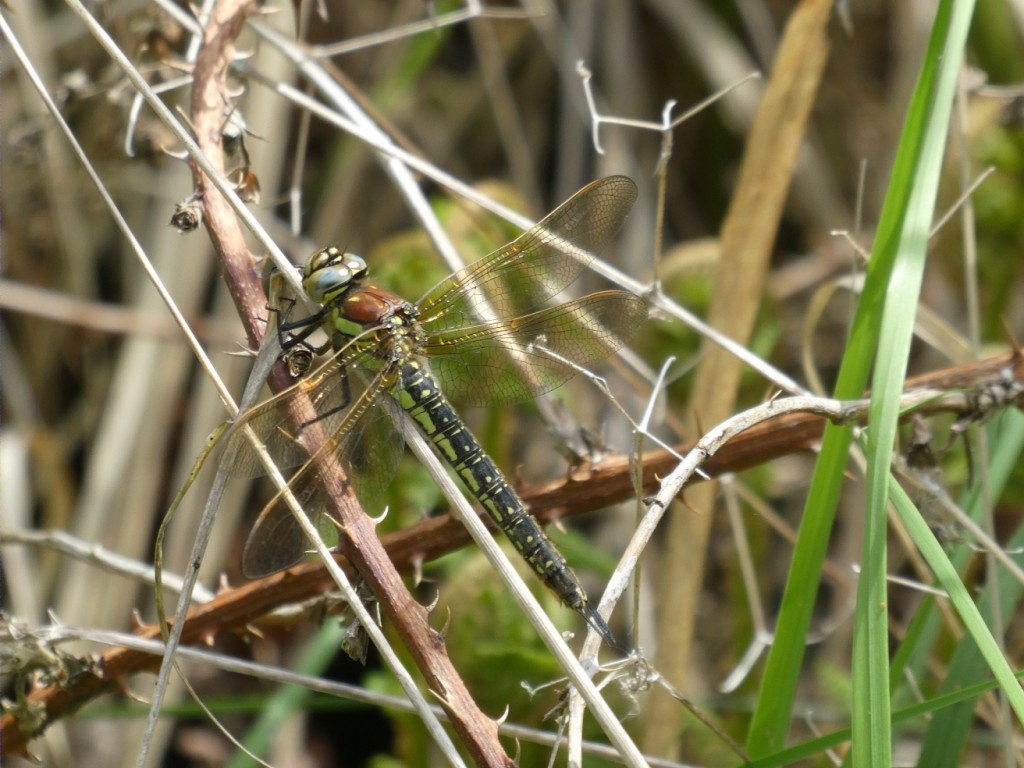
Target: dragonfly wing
[[541, 262], [508, 362], [277, 541], [272, 424], [367, 450]]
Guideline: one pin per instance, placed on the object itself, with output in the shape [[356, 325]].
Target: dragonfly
[[483, 336]]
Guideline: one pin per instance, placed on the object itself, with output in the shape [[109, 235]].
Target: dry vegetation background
[[105, 407]]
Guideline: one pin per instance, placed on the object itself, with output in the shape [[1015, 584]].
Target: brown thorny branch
[[978, 384]]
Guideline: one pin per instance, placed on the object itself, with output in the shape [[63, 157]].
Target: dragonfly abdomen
[[421, 397]]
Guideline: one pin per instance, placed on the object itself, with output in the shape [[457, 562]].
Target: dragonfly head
[[329, 273]]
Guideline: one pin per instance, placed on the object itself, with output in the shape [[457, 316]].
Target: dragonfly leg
[[309, 326]]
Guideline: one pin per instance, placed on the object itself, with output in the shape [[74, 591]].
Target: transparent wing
[[276, 541], [330, 390], [522, 275], [367, 449], [511, 361]]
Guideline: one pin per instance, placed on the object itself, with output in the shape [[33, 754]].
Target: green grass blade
[[965, 697], [926, 131], [902, 231]]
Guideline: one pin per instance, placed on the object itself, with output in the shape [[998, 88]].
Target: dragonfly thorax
[[329, 273]]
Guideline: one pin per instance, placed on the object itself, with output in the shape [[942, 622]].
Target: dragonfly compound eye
[[329, 271]]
